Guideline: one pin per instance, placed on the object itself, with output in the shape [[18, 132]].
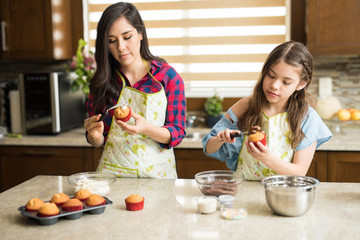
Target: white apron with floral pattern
[[139, 156], [278, 140]]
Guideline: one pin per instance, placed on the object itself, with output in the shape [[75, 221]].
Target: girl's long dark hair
[[103, 85], [294, 54]]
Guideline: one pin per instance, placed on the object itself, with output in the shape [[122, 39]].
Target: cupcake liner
[[135, 206], [127, 118], [72, 208]]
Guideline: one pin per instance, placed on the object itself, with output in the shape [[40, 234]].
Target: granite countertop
[[347, 139], [170, 212]]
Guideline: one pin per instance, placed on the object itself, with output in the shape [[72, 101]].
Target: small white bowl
[[226, 198], [207, 204]]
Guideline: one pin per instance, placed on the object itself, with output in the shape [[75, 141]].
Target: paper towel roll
[[15, 111]]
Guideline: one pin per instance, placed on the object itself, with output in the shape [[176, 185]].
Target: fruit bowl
[[343, 117], [218, 182]]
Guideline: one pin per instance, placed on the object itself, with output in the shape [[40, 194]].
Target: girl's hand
[[140, 124], [262, 153], [95, 129], [224, 136]]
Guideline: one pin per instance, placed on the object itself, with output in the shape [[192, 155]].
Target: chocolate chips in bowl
[[218, 182]]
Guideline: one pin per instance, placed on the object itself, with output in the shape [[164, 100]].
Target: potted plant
[[213, 108], [83, 67]]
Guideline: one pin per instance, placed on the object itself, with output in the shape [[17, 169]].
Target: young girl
[[279, 106]]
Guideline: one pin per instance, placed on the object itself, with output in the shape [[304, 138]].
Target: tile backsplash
[[345, 74]]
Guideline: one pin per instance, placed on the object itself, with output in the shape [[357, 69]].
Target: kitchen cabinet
[[332, 26], [319, 166], [191, 161], [344, 167], [40, 29], [18, 164]]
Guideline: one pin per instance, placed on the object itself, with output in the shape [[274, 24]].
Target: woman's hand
[[140, 124], [159, 134], [95, 129]]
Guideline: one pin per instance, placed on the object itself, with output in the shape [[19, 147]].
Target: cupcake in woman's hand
[[48, 210], [59, 198], [134, 202], [257, 137], [82, 194], [95, 200], [34, 204], [122, 113], [72, 204]]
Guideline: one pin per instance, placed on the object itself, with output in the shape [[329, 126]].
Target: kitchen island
[[170, 212]]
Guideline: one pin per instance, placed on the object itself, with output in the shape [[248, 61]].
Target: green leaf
[[74, 87]]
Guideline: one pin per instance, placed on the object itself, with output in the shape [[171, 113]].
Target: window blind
[[217, 46]]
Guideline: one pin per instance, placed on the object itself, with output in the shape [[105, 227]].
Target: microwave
[[48, 104]]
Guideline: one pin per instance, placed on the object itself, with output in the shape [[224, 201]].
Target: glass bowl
[[97, 182], [218, 182], [233, 210]]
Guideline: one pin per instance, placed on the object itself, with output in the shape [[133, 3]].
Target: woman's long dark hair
[[294, 54], [103, 85]]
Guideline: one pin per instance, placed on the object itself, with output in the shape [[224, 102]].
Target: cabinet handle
[[39, 153], [3, 36]]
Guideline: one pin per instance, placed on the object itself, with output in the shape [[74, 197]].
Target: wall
[[345, 72]]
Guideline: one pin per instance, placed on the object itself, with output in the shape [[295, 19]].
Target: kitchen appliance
[[6, 86], [48, 105]]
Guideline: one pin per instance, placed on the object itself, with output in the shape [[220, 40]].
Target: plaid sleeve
[[176, 107]]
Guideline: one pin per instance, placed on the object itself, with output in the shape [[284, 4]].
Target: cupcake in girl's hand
[[34, 204], [122, 113], [48, 210], [134, 202], [72, 204], [59, 198], [257, 137]]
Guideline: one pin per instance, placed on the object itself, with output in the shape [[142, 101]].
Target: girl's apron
[[139, 156], [278, 139]]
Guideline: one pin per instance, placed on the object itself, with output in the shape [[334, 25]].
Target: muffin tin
[[64, 214]]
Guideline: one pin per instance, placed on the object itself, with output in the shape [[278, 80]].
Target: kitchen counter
[[170, 212], [346, 140]]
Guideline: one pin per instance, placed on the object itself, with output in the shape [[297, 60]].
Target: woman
[[127, 73]]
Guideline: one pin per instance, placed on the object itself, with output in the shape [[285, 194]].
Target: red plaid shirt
[[175, 93]]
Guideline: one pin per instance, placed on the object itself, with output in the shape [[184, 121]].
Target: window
[[215, 45]]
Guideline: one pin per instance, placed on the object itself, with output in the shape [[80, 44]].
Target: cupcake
[[122, 113], [134, 202], [59, 198], [95, 200], [72, 204], [82, 194], [48, 209], [258, 137], [34, 204]]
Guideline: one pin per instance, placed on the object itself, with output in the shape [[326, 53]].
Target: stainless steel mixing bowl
[[290, 195]]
